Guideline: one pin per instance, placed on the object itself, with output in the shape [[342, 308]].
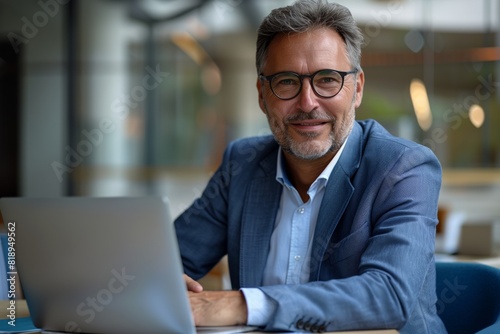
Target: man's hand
[[218, 308], [192, 285]]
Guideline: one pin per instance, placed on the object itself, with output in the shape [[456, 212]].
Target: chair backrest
[[468, 296]]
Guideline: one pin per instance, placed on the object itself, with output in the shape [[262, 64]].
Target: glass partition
[[160, 87]]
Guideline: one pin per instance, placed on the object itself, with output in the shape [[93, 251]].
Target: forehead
[[307, 52]]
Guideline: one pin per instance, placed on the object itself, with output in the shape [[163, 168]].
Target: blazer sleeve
[[396, 267]]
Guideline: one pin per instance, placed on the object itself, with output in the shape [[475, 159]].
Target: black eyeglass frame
[[301, 78]]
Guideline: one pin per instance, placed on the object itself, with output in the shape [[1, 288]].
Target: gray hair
[[305, 15]]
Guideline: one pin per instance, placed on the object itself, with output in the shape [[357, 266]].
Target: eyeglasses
[[325, 83]]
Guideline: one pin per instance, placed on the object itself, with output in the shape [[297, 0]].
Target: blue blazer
[[372, 261]]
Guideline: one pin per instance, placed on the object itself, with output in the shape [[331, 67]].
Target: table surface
[[386, 331], [22, 311]]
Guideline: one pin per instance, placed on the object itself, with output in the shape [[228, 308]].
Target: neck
[[302, 173]]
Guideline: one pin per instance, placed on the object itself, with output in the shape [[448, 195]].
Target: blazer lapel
[[338, 192], [261, 206]]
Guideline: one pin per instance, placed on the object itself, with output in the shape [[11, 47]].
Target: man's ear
[[261, 95], [360, 83]]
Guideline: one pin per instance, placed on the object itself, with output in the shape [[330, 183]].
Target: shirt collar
[[322, 179]]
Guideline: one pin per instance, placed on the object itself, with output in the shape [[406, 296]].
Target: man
[[329, 224]]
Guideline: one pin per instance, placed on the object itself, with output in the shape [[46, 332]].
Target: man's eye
[[327, 80], [287, 82]]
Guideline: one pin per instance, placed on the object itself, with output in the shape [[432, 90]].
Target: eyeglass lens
[[325, 83]]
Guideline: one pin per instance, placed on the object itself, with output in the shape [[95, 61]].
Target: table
[[384, 331], [22, 311]]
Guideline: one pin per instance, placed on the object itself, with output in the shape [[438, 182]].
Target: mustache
[[316, 114]]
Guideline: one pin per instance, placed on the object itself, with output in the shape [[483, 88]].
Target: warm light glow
[[190, 46], [476, 115], [211, 79], [420, 102]]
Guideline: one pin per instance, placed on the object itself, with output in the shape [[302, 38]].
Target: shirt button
[[297, 257], [302, 210]]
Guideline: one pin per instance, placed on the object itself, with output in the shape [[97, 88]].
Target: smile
[[310, 123]]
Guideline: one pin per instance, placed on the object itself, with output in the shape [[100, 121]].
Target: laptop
[[101, 265]]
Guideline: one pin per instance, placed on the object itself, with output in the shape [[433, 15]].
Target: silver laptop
[[101, 265]]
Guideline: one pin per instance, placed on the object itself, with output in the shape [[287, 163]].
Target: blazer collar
[[338, 192], [351, 157]]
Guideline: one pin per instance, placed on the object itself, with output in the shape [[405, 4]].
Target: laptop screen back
[[99, 265]]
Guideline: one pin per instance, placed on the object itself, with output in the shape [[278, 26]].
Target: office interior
[[140, 97]]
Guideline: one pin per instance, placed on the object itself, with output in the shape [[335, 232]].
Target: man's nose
[[307, 99]]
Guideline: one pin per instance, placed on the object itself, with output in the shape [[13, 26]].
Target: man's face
[[309, 126]]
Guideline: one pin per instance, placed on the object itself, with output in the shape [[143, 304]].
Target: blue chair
[[3, 267], [468, 297]]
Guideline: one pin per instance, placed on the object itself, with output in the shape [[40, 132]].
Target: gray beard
[[306, 151]]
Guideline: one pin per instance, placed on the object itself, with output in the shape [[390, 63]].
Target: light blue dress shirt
[[291, 241]]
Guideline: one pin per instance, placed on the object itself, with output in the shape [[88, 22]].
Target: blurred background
[[140, 97]]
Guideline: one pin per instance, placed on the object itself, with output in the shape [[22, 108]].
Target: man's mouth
[[313, 123], [309, 123]]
